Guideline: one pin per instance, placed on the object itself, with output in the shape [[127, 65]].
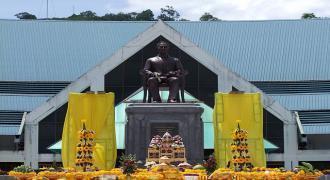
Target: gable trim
[[228, 77]]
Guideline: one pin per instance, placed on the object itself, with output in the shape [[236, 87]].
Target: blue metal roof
[[304, 101], [9, 129], [280, 50], [287, 50], [21, 102], [323, 128], [59, 50]]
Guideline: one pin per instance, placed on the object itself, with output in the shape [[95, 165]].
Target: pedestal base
[[147, 120]]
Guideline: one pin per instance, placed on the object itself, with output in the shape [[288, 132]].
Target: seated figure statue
[[163, 69]]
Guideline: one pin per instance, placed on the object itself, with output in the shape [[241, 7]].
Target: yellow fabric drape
[[249, 110], [98, 112]]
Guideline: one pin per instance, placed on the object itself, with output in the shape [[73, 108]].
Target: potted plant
[[307, 171], [128, 164], [210, 164]]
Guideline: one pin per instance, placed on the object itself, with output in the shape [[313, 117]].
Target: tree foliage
[[169, 14], [208, 17], [85, 15], [118, 17], [308, 16], [146, 15], [25, 15]]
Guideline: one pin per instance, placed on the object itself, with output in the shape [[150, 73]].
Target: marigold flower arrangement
[[239, 148], [23, 172], [84, 149], [51, 175]]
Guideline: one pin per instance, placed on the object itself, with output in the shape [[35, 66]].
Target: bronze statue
[[163, 69]]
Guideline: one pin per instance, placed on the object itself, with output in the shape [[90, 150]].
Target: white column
[[224, 85], [31, 145], [290, 145], [97, 83]]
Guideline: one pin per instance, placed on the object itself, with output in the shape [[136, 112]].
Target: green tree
[[146, 15], [308, 16], [119, 17], [88, 14], [25, 15], [169, 14], [85, 15], [208, 17], [109, 17]]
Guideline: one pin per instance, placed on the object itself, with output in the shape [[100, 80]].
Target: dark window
[[273, 131]]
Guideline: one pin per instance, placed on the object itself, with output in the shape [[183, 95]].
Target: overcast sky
[[189, 9]]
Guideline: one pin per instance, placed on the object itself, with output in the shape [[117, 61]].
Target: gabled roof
[[95, 76], [281, 50], [317, 128], [304, 102], [59, 50], [23, 103], [285, 50]]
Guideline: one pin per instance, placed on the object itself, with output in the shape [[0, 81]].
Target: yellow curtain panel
[[249, 110], [98, 112]]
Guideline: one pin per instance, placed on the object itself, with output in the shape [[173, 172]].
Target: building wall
[[318, 141], [7, 143]]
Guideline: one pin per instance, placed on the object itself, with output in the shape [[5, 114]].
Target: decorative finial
[[84, 123], [238, 121]]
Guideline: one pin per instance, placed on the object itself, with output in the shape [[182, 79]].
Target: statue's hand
[[172, 73], [151, 74], [156, 74]]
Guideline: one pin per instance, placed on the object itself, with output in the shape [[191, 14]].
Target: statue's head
[[162, 47]]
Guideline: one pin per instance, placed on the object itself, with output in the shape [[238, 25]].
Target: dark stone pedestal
[[147, 120], [5, 177]]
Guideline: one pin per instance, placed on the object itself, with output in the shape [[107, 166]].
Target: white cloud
[[234, 9], [189, 9]]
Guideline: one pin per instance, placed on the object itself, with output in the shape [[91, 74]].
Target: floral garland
[[240, 150], [84, 157]]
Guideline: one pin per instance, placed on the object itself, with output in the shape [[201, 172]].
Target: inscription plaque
[[161, 128]]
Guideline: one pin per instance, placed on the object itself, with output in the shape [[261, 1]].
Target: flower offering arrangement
[[239, 147], [84, 157]]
